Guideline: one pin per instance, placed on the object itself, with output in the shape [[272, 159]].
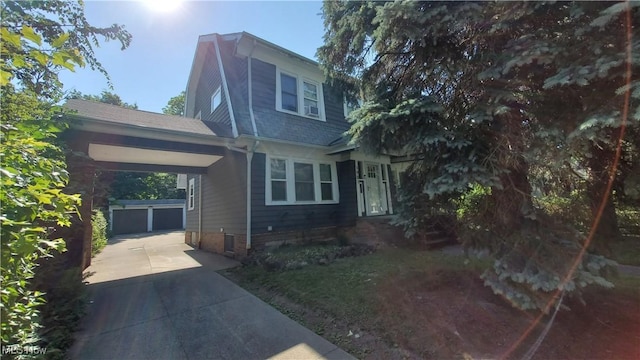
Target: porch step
[[378, 231]]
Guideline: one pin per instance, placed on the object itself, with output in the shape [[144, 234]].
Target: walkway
[[153, 297]]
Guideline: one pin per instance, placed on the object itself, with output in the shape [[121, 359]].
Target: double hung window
[[299, 95], [292, 182]]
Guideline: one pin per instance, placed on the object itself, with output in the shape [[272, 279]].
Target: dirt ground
[[454, 316]]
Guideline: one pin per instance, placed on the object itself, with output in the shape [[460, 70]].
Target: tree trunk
[[607, 231], [514, 200]]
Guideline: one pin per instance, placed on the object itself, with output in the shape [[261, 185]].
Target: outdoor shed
[[139, 216]]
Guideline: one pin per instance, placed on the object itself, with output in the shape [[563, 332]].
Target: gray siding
[[235, 69], [223, 196], [300, 217], [192, 215], [278, 125], [348, 192], [208, 82]]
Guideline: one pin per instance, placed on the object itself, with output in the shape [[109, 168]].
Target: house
[[290, 173], [263, 145]]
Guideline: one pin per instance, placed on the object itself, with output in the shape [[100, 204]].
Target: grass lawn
[[627, 251], [401, 303]]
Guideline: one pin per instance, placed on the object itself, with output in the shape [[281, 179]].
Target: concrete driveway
[[154, 297]]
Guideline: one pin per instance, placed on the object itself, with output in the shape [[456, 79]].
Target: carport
[[109, 137]]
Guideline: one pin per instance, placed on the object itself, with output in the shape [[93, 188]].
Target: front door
[[374, 201]]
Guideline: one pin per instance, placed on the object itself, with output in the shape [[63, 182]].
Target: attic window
[[216, 99], [299, 95]]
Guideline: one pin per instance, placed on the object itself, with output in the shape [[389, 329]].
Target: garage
[[139, 216]]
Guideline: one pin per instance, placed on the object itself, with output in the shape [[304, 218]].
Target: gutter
[[227, 95], [250, 88]]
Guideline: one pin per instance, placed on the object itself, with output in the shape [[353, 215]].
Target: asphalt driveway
[[154, 297]]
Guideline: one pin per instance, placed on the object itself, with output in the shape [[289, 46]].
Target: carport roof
[[107, 113]]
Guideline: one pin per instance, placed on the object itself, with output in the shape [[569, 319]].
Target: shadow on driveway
[[154, 297]]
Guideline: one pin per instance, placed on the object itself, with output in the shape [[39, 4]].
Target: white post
[[150, 219], [184, 215]]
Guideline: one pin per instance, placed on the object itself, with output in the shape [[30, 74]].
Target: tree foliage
[[105, 96], [38, 40], [496, 95], [175, 106]]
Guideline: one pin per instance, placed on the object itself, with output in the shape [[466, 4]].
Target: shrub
[[99, 232], [65, 295]]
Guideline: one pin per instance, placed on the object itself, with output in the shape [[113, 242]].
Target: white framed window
[[278, 176], [191, 195], [349, 106], [304, 181], [326, 182], [294, 182], [299, 95], [216, 99], [288, 92]]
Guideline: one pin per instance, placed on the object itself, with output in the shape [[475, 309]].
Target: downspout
[[227, 95], [199, 210], [253, 149], [249, 159]]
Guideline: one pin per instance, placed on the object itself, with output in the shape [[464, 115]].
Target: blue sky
[[156, 65]]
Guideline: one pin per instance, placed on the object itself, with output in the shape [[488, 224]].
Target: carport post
[[81, 169], [150, 219]]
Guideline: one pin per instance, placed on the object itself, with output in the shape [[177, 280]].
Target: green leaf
[[5, 77], [13, 39], [30, 34], [39, 56], [58, 42]]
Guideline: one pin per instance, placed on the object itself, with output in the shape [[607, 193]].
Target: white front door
[[373, 190]]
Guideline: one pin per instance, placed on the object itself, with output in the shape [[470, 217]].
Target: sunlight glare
[[164, 6]]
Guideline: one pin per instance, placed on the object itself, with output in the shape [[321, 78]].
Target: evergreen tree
[[479, 93]]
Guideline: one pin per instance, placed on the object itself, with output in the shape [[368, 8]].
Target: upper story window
[[299, 95], [289, 92], [216, 99], [350, 106], [291, 182]]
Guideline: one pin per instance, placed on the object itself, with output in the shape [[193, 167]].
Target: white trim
[[234, 126], [250, 90], [384, 187], [290, 181], [145, 206], [300, 80], [216, 97], [191, 194]]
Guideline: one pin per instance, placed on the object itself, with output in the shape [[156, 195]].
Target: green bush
[[572, 209], [99, 232], [65, 295]]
